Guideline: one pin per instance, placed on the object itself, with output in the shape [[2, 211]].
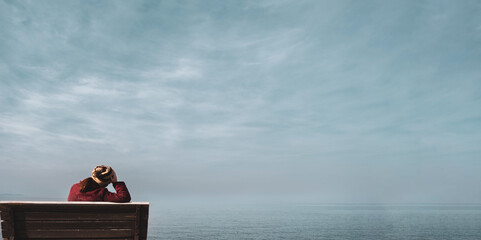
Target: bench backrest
[[74, 220]]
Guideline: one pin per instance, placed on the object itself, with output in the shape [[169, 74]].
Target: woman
[[94, 188]]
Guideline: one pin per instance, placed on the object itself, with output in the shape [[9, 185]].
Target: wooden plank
[[7, 229], [53, 216], [34, 225], [121, 238], [78, 233], [8, 222], [76, 208], [144, 222], [6, 212], [137, 223], [4, 207]]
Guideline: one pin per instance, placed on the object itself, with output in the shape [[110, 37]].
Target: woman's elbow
[[126, 199]]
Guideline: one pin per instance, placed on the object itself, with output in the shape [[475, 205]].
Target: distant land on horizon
[[23, 197]]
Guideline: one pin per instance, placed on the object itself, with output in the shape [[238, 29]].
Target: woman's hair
[[88, 184]]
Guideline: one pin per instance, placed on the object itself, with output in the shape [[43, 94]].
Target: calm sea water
[[314, 221]]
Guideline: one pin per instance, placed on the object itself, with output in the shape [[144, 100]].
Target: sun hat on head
[[102, 175]]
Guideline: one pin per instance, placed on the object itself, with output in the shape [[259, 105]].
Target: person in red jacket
[[94, 188]]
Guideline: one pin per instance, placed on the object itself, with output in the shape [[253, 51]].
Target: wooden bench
[[74, 220]]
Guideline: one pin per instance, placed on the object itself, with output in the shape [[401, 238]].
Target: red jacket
[[100, 194]]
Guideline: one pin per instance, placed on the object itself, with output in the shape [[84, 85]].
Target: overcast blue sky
[[335, 101]]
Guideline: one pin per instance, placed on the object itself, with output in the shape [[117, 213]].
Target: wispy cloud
[[256, 95], [90, 86], [184, 69]]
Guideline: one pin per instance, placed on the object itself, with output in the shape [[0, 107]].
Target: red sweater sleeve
[[122, 194]]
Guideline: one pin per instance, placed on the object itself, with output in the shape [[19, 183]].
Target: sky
[[330, 101]]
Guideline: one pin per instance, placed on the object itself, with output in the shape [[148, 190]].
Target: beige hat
[[102, 175]]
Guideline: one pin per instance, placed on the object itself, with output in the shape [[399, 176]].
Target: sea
[[211, 220], [314, 221]]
